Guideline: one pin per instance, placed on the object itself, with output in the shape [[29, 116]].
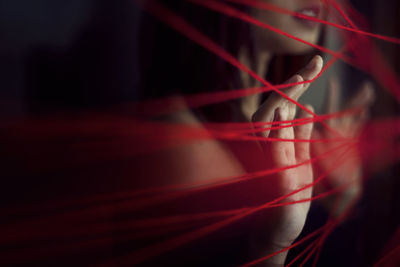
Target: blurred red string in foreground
[[148, 214]]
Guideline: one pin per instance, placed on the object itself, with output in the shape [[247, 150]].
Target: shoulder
[[200, 159]]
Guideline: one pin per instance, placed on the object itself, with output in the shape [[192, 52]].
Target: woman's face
[[301, 28]]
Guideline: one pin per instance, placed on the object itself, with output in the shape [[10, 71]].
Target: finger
[[265, 112], [307, 73], [363, 99], [303, 132], [364, 96], [283, 153], [310, 71], [295, 96]]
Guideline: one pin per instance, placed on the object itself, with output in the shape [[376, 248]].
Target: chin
[[295, 47], [300, 49]]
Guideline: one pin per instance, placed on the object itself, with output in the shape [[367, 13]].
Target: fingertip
[[312, 69], [319, 61], [297, 78], [309, 107], [306, 114], [369, 91], [315, 63]]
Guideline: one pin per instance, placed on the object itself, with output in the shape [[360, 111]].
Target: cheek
[[272, 18]]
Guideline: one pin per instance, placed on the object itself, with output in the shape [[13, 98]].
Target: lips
[[311, 12]]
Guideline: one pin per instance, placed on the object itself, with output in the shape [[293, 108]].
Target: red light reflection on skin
[[88, 216]]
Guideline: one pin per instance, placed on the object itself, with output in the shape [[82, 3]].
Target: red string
[[183, 134]]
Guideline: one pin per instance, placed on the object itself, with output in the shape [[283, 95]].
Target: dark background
[[66, 54], [83, 53], [80, 54]]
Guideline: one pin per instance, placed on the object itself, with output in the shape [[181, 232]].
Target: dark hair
[[173, 64], [182, 62]]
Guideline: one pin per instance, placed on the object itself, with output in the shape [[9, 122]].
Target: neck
[[249, 104]]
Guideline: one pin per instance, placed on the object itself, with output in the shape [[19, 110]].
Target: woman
[[178, 66], [70, 179]]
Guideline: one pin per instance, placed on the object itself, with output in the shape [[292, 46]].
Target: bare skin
[[289, 220], [192, 160], [350, 126], [292, 217]]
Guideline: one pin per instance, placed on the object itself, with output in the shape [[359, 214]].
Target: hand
[[288, 220], [348, 126]]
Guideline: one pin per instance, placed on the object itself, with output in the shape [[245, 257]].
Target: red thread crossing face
[[166, 210]]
